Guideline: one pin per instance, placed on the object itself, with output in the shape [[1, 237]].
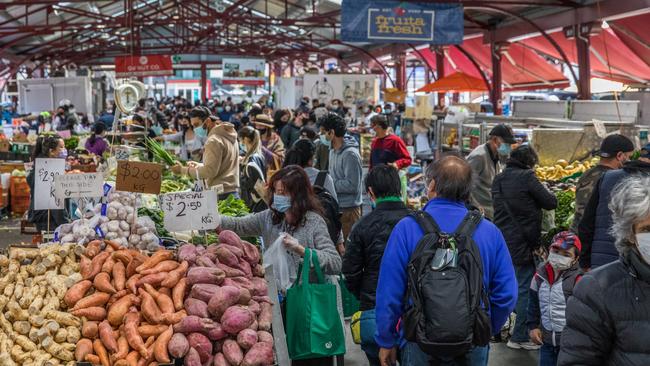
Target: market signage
[[243, 71], [79, 185], [384, 21], [45, 170], [185, 211], [143, 65], [139, 177]]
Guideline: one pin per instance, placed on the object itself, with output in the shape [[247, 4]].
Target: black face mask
[[263, 132]]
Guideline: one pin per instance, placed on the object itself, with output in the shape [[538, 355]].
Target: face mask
[[504, 149], [200, 131], [227, 108], [559, 262], [387, 111], [643, 243], [325, 141], [281, 203], [242, 147], [219, 109], [63, 153]]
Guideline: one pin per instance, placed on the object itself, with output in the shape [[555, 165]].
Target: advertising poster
[[352, 89], [243, 71]]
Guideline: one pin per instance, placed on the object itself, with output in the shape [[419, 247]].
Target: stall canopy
[[456, 82], [633, 31]]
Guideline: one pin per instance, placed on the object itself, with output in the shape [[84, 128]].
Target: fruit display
[[562, 169]]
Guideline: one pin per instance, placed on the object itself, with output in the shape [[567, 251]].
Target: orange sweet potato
[[93, 248], [174, 318], [121, 362], [166, 291], [131, 322], [116, 296], [122, 348], [84, 347], [115, 246], [133, 264], [90, 329], [117, 311], [100, 350], [93, 359], [157, 257], [163, 301], [85, 267], [148, 330], [119, 276], [108, 264], [96, 299], [174, 276], [178, 293], [91, 313], [107, 337], [132, 358], [164, 266], [96, 265], [132, 281], [122, 256], [152, 279], [102, 282], [160, 346], [76, 292], [149, 308]]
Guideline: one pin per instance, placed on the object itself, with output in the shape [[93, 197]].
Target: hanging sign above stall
[[243, 71], [143, 65], [384, 21]]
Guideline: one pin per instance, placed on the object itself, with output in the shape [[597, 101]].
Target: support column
[[400, 71], [204, 82], [584, 65], [440, 71], [497, 87]]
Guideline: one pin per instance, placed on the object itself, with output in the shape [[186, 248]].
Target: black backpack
[[331, 210], [446, 318]]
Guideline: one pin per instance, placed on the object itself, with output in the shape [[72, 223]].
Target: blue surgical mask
[[63, 153], [200, 131], [504, 149], [219, 109], [325, 141], [281, 203]]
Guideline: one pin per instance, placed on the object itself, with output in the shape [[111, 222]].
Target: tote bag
[[314, 326]]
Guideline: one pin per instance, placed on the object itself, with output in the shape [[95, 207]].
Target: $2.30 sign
[[135, 176], [190, 210], [45, 170]]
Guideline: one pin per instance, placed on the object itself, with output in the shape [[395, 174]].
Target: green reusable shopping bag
[[314, 326], [350, 302]]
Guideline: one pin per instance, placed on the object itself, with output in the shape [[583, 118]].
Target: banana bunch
[[562, 169]]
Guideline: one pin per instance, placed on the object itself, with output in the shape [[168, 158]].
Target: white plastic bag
[[277, 256]]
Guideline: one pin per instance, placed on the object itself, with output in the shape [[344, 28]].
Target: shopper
[[96, 143], [365, 247], [50, 146], [220, 167], [450, 183], [615, 150], [387, 148], [597, 240], [302, 154], [608, 316], [485, 163], [345, 168], [322, 157], [191, 144], [291, 131], [226, 113], [253, 170], [272, 146], [519, 198], [549, 292]]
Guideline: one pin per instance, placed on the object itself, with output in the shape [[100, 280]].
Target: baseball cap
[[566, 240], [645, 151], [613, 144], [503, 131]]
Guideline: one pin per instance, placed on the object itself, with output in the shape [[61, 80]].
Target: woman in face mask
[[272, 147], [46, 147], [252, 169], [608, 316], [191, 144]]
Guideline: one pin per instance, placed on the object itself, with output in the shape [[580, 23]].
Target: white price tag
[[79, 185], [44, 172], [190, 210], [601, 130]]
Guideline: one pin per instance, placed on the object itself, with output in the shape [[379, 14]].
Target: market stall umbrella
[[456, 82]]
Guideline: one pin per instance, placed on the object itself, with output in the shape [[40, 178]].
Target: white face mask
[[643, 242], [559, 261]]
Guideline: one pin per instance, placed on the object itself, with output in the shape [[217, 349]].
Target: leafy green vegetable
[[565, 209], [159, 152], [71, 143], [233, 207]]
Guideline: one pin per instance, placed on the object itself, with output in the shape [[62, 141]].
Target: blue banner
[[385, 21]]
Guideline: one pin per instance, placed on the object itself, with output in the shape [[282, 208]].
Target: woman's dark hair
[[301, 153], [44, 145], [384, 181], [526, 155], [98, 129], [202, 112], [303, 199], [309, 132], [333, 121]]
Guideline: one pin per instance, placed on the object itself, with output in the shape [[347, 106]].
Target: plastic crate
[[18, 186]]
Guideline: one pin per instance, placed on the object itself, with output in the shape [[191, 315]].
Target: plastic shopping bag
[[277, 256]]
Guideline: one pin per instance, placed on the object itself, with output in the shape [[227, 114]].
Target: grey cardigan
[[484, 170], [312, 234]]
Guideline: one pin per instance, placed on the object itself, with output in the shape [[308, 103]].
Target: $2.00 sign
[[44, 193], [135, 176], [190, 210]]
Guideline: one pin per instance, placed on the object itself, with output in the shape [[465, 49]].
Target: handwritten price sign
[[190, 210], [134, 176], [79, 185], [44, 189]]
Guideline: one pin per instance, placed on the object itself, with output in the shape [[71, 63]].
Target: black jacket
[[250, 174], [365, 248], [608, 316], [518, 198]]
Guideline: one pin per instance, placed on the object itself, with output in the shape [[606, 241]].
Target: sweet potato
[[232, 352], [175, 275], [160, 346], [261, 354], [90, 329], [240, 282], [204, 261], [102, 282], [258, 270], [230, 238], [238, 252], [246, 268], [93, 248], [164, 266], [193, 324], [149, 330], [76, 292], [133, 264], [251, 253], [174, 318], [178, 293], [119, 276], [93, 359], [229, 271], [260, 288], [91, 313], [107, 337], [149, 308], [192, 358], [131, 283], [246, 338], [210, 275], [227, 257], [244, 296], [85, 266], [117, 310], [96, 265], [204, 292], [201, 344], [236, 318], [217, 333], [188, 253], [152, 279], [255, 307], [132, 358], [122, 256], [84, 347], [131, 322], [220, 360], [108, 265], [115, 246], [264, 336], [146, 360], [122, 348], [96, 299], [223, 298], [178, 345], [196, 307], [163, 301], [265, 317], [157, 257], [100, 351], [262, 299]]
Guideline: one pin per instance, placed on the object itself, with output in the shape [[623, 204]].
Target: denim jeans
[[548, 355], [524, 276], [412, 355]]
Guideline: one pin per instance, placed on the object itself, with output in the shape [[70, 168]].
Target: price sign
[[601, 130], [79, 185], [190, 210], [45, 171], [121, 153], [134, 176]]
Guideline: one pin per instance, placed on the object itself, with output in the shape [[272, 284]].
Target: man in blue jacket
[[449, 188]]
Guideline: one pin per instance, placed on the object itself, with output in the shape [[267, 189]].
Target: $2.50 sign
[[134, 176], [190, 210]]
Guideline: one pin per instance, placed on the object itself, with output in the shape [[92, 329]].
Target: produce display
[[233, 207], [562, 169], [159, 151], [565, 208], [35, 329]]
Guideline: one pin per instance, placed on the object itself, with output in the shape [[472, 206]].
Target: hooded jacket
[[221, 158], [485, 166], [346, 171]]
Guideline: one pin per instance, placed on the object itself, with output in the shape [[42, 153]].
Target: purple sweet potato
[[261, 354], [246, 268], [204, 261], [223, 298], [229, 271], [241, 282], [265, 317], [208, 275], [187, 252], [253, 306], [244, 296], [227, 257], [238, 252], [254, 326], [230, 238], [258, 270], [192, 324], [232, 352], [251, 253], [192, 358], [236, 318], [201, 344], [210, 361], [220, 360], [247, 338], [178, 346], [264, 336], [204, 291], [262, 299], [260, 287], [196, 307], [217, 333]]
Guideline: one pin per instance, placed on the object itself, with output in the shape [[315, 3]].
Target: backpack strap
[[320, 179], [467, 227], [426, 222]]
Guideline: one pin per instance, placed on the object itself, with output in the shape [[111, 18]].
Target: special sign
[[184, 211]]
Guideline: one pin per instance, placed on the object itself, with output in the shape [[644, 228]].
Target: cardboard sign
[[190, 210], [45, 171], [144, 65], [78, 185], [134, 176]]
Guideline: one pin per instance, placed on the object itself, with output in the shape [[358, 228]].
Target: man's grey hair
[[453, 177], [629, 204]]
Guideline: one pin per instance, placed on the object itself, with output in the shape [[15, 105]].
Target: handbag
[[314, 328], [350, 302], [363, 327]]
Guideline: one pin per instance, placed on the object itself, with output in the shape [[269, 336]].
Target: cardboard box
[[5, 146]]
